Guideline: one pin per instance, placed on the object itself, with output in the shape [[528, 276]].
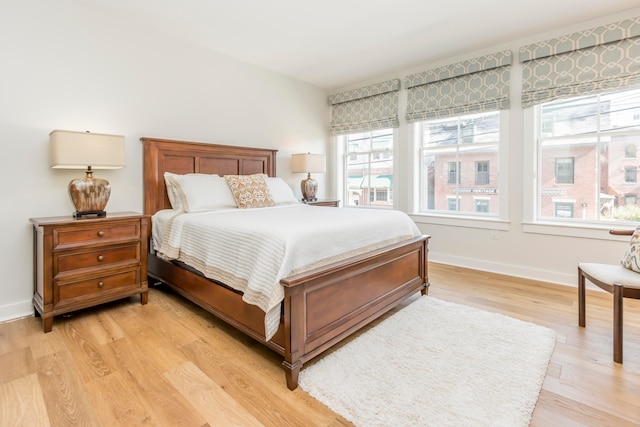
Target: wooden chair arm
[[621, 232]]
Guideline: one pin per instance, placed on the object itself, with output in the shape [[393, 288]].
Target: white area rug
[[436, 363]]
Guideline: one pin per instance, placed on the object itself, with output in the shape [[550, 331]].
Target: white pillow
[[280, 191], [198, 192], [174, 198]]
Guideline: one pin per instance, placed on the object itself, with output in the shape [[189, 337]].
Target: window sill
[[468, 222], [585, 231]]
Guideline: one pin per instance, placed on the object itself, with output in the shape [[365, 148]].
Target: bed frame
[[321, 307]]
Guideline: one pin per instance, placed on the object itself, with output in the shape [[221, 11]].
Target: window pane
[[559, 159], [459, 161], [369, 169], [618, 109]]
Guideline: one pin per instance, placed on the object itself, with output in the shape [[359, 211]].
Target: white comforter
[[250, 250]]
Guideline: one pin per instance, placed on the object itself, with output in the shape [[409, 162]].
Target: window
[[378, 195], [454, 172], [630, 174], [453, 203], [590, 143], [564, 171], [630, 151], [563, 209], [630, 199], [368, 164], [482, 173], [482, 205], [459, 158]]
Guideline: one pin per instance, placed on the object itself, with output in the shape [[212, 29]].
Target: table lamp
[[308, 163], [85, 150]]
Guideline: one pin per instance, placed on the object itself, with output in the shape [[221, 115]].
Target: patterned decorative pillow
[[631, 258], [250, 191]]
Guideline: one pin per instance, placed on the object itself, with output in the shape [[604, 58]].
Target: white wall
[[515, 252], [69, 65]]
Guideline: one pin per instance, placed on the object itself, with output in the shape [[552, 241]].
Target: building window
[[379, 195], [587, 141], [453, 204], [482, 173], [630, 151], [630, 199], [482, 205], [454, 172], [459, 158], [630, 174], [368, 165], [563, 209], [564, 171]]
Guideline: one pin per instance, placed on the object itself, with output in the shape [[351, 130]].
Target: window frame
[[342, 155], [553, 226], [500, 222]]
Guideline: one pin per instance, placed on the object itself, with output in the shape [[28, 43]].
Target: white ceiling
[[336, 43]]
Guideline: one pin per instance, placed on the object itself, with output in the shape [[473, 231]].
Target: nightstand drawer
[[91, 288], [95, 234], [102, 257]]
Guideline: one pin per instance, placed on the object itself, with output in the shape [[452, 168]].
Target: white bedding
[[250, 250]]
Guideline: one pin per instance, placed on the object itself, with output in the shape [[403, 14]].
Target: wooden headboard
[[164, 155]]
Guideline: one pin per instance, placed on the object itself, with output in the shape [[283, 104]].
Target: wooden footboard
[[321, 306], [325, 305]]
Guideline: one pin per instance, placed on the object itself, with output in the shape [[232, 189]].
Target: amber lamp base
[[309, 189], [89, 195]]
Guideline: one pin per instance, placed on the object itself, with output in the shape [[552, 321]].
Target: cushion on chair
[[611, 273], [631, 258]]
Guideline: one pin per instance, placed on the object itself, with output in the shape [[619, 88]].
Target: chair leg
[[617, 322], [581, 299]]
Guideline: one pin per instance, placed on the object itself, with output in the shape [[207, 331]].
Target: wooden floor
[[170, 363]]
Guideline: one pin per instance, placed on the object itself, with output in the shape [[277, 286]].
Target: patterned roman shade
[[476, 85], [602, 59], [364, 109]]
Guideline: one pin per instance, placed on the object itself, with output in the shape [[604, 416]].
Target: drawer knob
[[100, 284], [100, 233], [100, 258]]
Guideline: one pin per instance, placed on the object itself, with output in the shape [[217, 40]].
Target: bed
[[321, 306]]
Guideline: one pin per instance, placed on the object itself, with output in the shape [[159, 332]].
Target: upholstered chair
[[622, 280]]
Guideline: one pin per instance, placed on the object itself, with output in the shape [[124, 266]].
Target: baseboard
[[16, 310], [506, 269]]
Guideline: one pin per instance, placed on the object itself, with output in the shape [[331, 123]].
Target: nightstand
[[321, 202], [80, 263]]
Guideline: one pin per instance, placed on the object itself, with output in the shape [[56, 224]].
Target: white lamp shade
[[308, 163], [77, 150]]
